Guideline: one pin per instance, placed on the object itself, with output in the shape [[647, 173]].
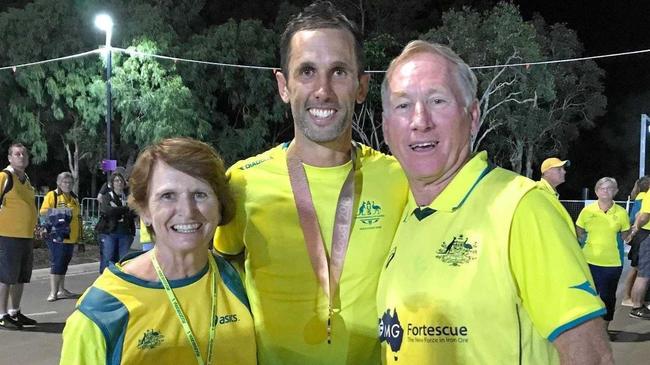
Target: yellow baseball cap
[[552, 162]]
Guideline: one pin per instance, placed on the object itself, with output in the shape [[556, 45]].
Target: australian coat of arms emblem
[[458, 251]]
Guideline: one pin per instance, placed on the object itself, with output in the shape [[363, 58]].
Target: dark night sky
[[612, 148]]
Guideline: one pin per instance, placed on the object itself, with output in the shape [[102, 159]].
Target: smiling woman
[[165, 304]]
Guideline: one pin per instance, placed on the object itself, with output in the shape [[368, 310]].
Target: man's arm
[[580, 232], [554, 282], [641, 220], [585, 344]]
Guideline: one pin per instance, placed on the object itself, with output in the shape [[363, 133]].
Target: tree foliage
[[242, 104], [58, 109], [152, 100], [527, 112]]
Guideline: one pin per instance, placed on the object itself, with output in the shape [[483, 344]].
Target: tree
[[525, 111], [58, 108], [367, 119], [152, 100], [242, 104], [47, 105], [578, 98]]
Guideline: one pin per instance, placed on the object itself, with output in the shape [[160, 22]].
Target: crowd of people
[[324, 251]]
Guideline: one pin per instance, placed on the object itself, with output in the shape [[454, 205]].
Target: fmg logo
[[391, 331]]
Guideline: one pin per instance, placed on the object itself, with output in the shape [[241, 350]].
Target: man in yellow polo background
[[553, 173]]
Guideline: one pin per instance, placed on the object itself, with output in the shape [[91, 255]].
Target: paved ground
[[41, 345]]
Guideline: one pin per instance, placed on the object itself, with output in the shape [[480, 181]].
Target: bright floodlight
[[104, 22]]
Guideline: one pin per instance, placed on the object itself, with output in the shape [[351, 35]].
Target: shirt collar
[[461, 186], [13, 171], [547, 185]]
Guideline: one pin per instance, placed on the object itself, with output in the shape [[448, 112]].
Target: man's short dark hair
[[319, 15]]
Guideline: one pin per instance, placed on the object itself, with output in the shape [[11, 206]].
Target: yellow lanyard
[[179, 310], [328, 272]]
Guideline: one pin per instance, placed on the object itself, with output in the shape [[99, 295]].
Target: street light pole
[[105, 23], [644, 130]]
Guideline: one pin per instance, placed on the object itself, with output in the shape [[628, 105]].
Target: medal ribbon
[[179, 311], [328, 271]]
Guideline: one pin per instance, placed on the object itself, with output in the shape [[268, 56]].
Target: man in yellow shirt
[[553, 173], [17, 222], [484, 267], [315, 217]]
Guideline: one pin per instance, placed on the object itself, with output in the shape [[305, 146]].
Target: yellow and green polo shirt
[[17, 212], [122, 319], [604, 244], [289, 307], [64, 200], [546, 186], [645, 207], [488, 273]]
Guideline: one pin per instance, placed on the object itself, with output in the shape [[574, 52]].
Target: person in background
[[116, 226], [602, 226], [639, 289], [639, 190], [17, 222], [62, 248], [553, 172], [484, 268], [145, 237], [178, 303]]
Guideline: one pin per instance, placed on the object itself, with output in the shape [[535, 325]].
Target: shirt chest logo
[[457, 251], [150, 340], [391, 331], [370, 214]]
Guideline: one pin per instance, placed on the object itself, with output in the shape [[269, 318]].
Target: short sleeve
[[48, 202], [83, 342], [3, 181], [645, 204], [551, 274], [229, 238]]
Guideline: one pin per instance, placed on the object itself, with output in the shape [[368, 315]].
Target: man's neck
[[322, 154], [550, 184], [19, 172], [425, 193], [426, 190]]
